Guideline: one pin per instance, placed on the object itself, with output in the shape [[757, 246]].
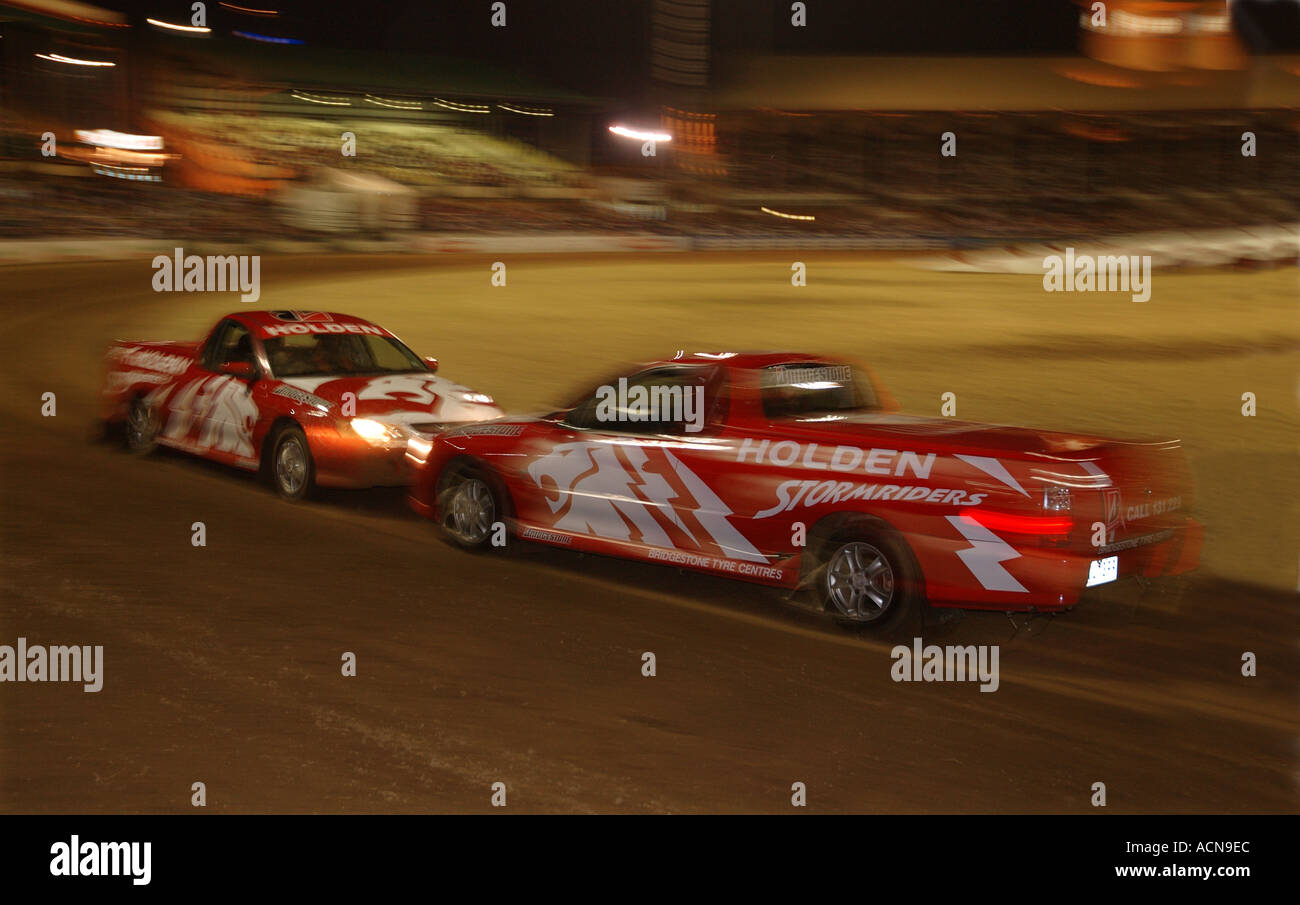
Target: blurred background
[[128, 120]]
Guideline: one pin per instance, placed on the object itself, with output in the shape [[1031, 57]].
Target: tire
[[866, 579], [291, 469], [470, 504], [140, 433]]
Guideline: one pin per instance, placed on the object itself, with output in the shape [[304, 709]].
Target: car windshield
[[317, 354], [807, 389]]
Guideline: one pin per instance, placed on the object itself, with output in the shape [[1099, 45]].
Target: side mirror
[[244, 370], [431, 362]]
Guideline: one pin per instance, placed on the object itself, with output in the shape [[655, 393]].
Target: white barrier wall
[[546, 243], [1207, 248], [1211, 248]]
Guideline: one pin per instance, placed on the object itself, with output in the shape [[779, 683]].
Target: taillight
[[1020, 524], [1056, 498]]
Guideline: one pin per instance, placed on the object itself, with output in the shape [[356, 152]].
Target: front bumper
[[345, 460], [368, 468]]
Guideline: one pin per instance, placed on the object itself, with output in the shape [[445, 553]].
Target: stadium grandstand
[[764, 143]]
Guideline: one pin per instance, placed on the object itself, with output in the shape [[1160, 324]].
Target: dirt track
[[222, 663]]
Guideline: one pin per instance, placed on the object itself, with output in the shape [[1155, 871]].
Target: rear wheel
[[865, 579], [292, 470], [470, 506], [141, 431]]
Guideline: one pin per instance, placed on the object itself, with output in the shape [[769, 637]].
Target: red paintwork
[[228, 419], [582, 488]]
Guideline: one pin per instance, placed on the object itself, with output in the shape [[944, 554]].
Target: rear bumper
[[1177, 550], [1166, 552], [1056, 579]]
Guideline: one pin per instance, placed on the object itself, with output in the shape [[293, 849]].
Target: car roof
[[743, 360], [274, 317]]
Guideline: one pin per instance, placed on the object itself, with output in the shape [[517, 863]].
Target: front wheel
[[292, 470], [865, 581], [141, 434], [470, 507]]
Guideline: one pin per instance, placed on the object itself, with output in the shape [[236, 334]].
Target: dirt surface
[[222, 663]]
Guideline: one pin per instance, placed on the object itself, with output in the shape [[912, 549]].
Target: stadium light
[[768, 210], [265, 39], [395, 104], [194, 29], [461, 108], [542, 112], [125, 141], [251, 12], [74, 61], [640, 134], [328, 101]]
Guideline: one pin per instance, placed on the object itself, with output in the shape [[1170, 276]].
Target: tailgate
[[1148, 494]]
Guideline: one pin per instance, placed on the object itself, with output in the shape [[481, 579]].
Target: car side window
[[679, 400], [230, 342], [809, 388]]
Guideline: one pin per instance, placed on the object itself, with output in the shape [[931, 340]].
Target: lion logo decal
[[629, 493]]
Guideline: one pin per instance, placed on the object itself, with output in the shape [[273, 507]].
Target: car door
[[211, 413], [634, 471], [230, 411], [179, 405]]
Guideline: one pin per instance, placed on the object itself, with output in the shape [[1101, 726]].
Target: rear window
[[805, 389]]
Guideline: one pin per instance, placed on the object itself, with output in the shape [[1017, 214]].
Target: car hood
[[412, 397]]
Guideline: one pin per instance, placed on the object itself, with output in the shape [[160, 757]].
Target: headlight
[[1056, 499], [477, 398], [375, 431]]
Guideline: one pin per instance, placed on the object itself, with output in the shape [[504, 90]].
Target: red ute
[[312, 397], [795, 470]]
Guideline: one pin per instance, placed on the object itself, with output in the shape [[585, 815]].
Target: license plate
[[1101, 571]]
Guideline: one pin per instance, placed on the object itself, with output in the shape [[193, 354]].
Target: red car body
[[979, 507], [207, 403]]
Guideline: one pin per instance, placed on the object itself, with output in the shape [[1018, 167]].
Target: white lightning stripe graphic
[[657, 490], [994, 468], [1093, 469], [712, 515], [620, 504], [985, 554]]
